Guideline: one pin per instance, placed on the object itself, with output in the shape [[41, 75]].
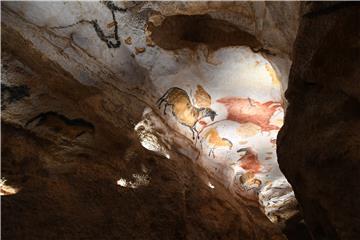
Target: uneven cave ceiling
[[232, 58]]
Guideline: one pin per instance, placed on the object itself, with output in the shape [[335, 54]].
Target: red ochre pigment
[[245, 110], [250, 161]]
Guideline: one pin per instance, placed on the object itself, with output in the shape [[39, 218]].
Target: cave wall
[[78, 198], [100, 64], [80, 83], [318, 146], [66, 150], [77, 78]]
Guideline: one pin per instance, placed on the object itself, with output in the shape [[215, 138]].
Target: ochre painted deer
[[214, 141], [183, 110]]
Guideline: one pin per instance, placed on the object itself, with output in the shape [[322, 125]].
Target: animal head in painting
[[208, 112]]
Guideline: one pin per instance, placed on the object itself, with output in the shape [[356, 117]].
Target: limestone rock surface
[[318, 146]]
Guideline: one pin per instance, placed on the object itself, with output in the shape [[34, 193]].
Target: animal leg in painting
[[197, 133], [214, 141], [212, 152], [192, 131]]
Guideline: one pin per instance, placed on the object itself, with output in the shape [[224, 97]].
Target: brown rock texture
[[78, 198], [65, 145], [79, 88], [319, 144]]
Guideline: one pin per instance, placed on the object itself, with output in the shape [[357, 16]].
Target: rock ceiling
[[210, 78]]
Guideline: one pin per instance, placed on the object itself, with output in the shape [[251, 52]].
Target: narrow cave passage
[[217, 101], [179, 120]]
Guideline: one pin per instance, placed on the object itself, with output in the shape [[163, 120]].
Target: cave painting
[[111, 40], [246, 110], [202, 98], [249, 161], [61, 125], [183, 110], [214, 141], [248, 181], [248, 129]]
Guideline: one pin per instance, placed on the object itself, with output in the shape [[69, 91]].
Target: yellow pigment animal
[[214, 141], [248, 181], [183, 110]]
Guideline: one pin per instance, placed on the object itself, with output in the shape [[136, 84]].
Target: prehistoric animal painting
[[61, 125], [183, 109], [202, 98], [248, 130], [214, 141], [249, 161], [111, 40], [249, 181], [11, 94], [245, 110]]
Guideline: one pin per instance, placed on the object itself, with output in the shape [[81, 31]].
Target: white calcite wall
[[239, 73]]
